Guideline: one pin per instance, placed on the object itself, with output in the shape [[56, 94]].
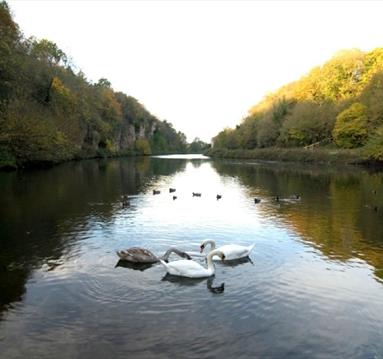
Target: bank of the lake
[[9, 163], [317, 155]]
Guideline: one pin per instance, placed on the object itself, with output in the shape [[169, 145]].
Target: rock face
[[126, 137], [128, 134], [123, 141]]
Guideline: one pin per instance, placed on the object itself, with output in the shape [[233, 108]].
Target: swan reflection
[[237, 262], [189, 282], [216, 290], [133, 265]]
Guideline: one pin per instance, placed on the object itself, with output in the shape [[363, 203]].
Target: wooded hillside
[[338, 104], [50, 113]]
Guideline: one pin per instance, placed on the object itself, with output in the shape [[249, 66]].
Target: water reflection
[[184, 281], [12, 285], [237, 262], [136, 266], [334, 211], [215, 289], [45, 213], [315, 257]]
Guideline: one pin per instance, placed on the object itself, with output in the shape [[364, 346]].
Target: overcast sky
[[201, 64]]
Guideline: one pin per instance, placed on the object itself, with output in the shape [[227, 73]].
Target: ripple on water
[[295, 298]]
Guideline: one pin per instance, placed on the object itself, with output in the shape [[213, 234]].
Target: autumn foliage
[[49, 111], [338, 104]]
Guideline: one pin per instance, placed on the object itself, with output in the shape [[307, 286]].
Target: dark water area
[[311, 288]]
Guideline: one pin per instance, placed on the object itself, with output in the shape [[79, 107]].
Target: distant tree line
[[51, 113], [198, 146], [339, 104]]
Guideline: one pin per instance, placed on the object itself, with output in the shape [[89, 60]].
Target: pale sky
[[201, 64]]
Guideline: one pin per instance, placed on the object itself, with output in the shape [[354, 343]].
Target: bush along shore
[[304, 155]]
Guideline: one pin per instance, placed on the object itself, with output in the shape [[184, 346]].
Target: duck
[[192, 269], [196, 194], [174, 198], [125, 201], [171, 190], [257, 200], [231, 251], [142, 255], [219, 196], [156, 192]]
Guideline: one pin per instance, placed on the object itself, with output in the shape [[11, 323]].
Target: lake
[[311, 288]]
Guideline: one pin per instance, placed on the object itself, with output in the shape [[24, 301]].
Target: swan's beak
[[201, 249], [223, 257]]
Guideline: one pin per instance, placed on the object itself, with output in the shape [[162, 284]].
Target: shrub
[[307, 123], [350, 129], [143, 147], [374, 146]]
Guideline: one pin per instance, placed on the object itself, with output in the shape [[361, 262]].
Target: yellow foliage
[[110, 146], [110, 106], [143, 147], [374, 147], [351, 127], [59, 88]]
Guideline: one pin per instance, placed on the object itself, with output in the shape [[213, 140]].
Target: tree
[[341, 99], [103, 82], [47, 51], [143, 146], [351, 127], [198, 146], [48, 113], [374, 146], [9, 41], [308, 122]]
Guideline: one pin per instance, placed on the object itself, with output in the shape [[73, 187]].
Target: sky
[[201, 65]]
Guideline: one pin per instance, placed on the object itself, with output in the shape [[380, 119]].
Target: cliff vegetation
[[50, 113]]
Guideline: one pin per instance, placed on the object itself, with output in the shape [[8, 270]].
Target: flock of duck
[[126, 202], [187, 267]]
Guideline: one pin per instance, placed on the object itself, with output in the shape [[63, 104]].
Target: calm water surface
[[312, 288]]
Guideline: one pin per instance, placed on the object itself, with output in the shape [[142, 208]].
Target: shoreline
[[322, 156], [313, 156], [11, 166]]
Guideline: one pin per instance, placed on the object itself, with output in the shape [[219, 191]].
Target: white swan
[[231, 251], [191, 269]]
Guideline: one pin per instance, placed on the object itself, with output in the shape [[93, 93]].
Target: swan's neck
[[167, 254], [165, 257], [209, 258], [211, 242]]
